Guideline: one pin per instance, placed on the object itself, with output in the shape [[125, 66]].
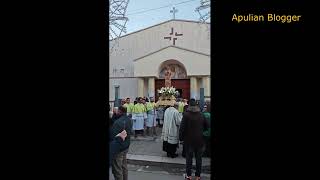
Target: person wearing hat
[[170, 130], [191, 133]]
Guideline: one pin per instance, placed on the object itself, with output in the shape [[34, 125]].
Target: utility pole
[[204, 10], [117, 21]]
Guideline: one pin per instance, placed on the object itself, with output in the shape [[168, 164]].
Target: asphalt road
[[134, 175], [155, 173]]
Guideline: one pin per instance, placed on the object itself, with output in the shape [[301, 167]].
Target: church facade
[[175, 49]]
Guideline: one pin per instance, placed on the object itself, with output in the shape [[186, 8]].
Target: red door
[[159, 83], [183, 84]]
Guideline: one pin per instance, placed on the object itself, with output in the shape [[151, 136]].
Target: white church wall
[[145, 89], [128, 88], [138, 44], [195, 64], [141, 43], [195, 36], [118, 69], [199, 85]]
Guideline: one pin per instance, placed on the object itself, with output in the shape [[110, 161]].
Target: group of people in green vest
[[146, 117], [143, 114]]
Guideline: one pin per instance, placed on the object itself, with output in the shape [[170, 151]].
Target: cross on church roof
[[173, 11], [171, 34]]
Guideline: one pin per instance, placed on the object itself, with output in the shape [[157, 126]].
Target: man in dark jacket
[[115, 145], [191, 132], [119, 163], [207, 133], [183, 145]]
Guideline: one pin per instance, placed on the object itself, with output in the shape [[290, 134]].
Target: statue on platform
[[172, 71], [167, 77]]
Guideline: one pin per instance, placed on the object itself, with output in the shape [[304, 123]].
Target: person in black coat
[[122, 122], [183, 144], [191, 133], [115, 145], [119, 163]]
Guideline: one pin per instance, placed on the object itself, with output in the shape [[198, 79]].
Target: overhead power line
[[169, 5]]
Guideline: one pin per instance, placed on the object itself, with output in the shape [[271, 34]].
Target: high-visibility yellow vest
[[139, 108], [150, 106], [129, 107], [181, 107]]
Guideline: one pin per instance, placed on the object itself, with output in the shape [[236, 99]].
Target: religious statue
[[167, 77], [172, 71]]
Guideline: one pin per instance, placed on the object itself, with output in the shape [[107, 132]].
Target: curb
[[144, 160]]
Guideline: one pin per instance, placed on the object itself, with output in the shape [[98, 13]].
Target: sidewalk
[[147, 151]]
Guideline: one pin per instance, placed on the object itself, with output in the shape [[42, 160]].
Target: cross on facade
[[173, 11], [173, 36]]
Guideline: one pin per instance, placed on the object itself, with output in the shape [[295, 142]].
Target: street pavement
[[148, 151], [137, 172], [146, 160]]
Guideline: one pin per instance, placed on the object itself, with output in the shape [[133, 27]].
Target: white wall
[[136, 45], [128, 88], [195, 64], [145, 90]]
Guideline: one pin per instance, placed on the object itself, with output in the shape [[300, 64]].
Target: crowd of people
[[181, 123]]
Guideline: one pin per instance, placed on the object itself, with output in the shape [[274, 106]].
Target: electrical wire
[[159, 7]]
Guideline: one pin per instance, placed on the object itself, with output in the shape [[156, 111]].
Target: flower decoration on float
[[168, 91]]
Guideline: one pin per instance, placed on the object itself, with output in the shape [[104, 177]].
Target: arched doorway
[[178, 76]]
